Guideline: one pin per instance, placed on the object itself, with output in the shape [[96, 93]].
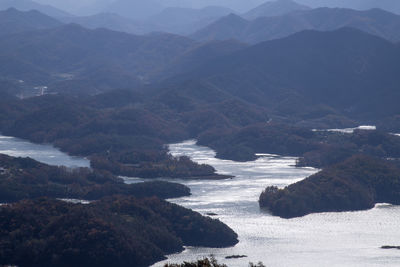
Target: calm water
[[326, 239], [44, 153]]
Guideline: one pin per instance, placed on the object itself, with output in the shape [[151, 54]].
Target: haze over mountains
[[374, 21], [73, 59], [70, 58], [90, 7], [26, 5], [274, 8], [188, 17], [71, 52], [14, 21], [119, 82], [389, 5], [301, 71]]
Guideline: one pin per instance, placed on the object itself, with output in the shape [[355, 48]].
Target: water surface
[[41, 152], [349, 130], [325, 239]]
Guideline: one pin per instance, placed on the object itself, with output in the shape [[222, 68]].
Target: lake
[[44, 153], [324, 239]]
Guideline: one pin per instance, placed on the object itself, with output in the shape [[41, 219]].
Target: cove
[[323, 239], [44, 153]]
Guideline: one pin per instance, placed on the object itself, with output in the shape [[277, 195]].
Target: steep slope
[[14, 21], [375, 21], [274, 8]]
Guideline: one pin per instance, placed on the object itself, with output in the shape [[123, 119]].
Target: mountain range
[[388, 5], [186, 20], [337, 72], [110, 21], [293, 76], [71, 53], [26, 5], [174, 20], [374, 21], [14, 21]]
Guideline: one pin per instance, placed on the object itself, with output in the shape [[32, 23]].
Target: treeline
[[126, 135], [167, 166], [25, 178], [355, 184], [314, 148], [275, 138], [116, 231], [207, 262]]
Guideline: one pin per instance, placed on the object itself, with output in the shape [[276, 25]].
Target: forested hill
[[25, 178], [76, 58], [117, 231], [355, 184], [346, 70]]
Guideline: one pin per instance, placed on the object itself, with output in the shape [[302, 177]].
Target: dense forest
[[127, 135], [124, 131], [314, 148], [358, 183], [117, 231], [25, 178], [119, 99]]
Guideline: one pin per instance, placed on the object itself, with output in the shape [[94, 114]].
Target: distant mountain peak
[[374, 21], [275, 8], [228, 27], [233, 18], [13, 21], [26, 5]]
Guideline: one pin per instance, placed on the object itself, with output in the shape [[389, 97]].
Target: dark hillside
[[355, 184], [117, 231]]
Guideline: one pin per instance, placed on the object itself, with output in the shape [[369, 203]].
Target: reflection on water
[[325, 239], [44, 153], [349, 130], [75, 201]]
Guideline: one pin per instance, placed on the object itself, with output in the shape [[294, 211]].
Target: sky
[[88, 7]]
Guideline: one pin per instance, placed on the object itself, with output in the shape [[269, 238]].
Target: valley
[[250, 116]]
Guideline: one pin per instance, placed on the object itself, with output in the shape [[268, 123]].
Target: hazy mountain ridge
[[375, 21], [110, 21], [14, 21], [26, 5], [186, 20], [87, 54], [274, 8], [388, 5], [303, 68]]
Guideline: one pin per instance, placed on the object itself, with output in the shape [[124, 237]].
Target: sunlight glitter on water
[[324, 239]]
